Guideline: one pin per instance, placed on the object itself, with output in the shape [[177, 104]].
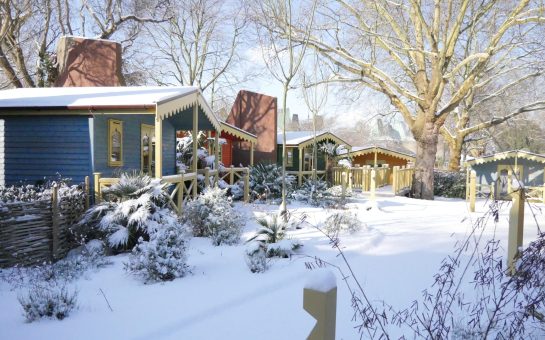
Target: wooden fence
[[186, 184], [402, 179], [360, 177], [33, 232]]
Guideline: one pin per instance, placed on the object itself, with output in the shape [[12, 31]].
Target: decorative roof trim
[[505, 155], [319, 138], [174, 105], [388, 152], [237, 132]]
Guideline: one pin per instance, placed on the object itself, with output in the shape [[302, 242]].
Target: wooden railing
[[304, 176], [402, 179], [360, 177], [535, 194], [232, 175], [185, 185]]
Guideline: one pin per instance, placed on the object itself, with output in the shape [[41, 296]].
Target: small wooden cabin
[[77, 131], [299, 145], [501, 169], [379, 155], [233, 136]]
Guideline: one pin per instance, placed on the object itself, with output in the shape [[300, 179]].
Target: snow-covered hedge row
[[449, 184]]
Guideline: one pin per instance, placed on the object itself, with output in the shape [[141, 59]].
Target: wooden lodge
[[497, 174], [300, 160]]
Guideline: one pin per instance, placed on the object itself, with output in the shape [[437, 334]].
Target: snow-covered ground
[[394, 258]]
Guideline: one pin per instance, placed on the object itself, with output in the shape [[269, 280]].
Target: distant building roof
[[304, 138], [505, 155]]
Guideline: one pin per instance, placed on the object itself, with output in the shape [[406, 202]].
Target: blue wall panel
[[532, 171], [38, 147], [131, 144]]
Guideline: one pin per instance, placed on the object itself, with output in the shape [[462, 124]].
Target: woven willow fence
[[38, 231]]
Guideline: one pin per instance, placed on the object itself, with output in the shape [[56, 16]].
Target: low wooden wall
[[34, 232]]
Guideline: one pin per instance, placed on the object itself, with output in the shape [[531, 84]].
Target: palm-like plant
[[272, 229]]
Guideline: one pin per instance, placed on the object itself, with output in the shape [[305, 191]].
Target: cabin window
[[147, 147], [289, 158], [308, 160], [115, 142]]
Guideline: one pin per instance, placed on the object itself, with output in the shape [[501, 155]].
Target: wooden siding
[[131, 144], [532, 173], [227, 153], [369, 159], [38, 147], [295, 167]]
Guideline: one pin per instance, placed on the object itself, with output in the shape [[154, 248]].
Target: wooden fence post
[[207, 177], [373, 183], [472, 190], [231, 175], [543, 196], [516, 228], [321, 303], [247, 186], [350, 178], [86, 192], [98, 194], [180, 194], [343, 184], [468, 175], [55, 222], [394, 179]]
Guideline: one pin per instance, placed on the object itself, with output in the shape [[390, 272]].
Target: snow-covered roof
[[160, 100], [301, 137], [238, 132], [507, 154], [90, 97], [391, 150]]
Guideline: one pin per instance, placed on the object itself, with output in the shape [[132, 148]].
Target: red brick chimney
[[88, 62]]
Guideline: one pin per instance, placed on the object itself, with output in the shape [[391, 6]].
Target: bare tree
[[408, 51], [315, 95], [199, 46], [502, 92], [274, 19], [29, 30]]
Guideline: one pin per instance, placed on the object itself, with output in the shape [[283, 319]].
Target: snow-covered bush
[[256, 257], [138, 206], [163, 257], [49, 301], [211, 215], [337, 190], [271, 234], [266, 182], [30, 192], [342, 221], [449, 184]]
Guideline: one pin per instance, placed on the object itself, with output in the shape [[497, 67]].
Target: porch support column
[[300, 166], [158, 147], [375, 165], [216, 151], [251, 153], [195, 135]]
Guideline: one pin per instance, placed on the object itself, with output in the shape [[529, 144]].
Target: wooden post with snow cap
[[394, 179], [320, 301], [343, 184], [247, 185], [97, 187], [55, 240], [373, 183], [472, 190], [86, 189], [516, 228]]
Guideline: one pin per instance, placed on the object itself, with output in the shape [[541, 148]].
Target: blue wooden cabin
[[78, 131], [497, 172]]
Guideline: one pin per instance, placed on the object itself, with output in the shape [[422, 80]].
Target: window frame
[[289, 157], [112, 124]]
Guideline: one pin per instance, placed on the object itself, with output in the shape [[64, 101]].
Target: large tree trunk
[[425, 162], [455, 154]]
